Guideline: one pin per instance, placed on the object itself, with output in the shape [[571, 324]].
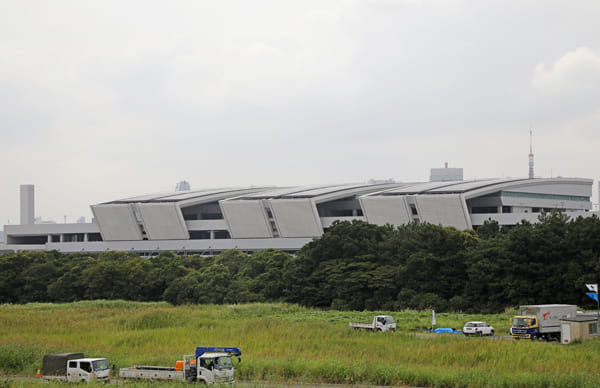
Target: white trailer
[[380, 323]]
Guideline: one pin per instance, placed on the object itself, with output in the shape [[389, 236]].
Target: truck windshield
[[223, 363], [389, 320], [520, 322], [100, 364]]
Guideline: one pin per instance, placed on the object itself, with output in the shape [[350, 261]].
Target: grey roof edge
[[523, 182], [358, 190], [222, 196], [335, 192]]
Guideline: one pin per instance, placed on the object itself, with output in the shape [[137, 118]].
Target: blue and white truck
[[209, 365]]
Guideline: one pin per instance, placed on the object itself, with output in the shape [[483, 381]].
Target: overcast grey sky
[[102, 100]]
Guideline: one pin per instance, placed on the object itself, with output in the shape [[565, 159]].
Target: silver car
[[478, 328]]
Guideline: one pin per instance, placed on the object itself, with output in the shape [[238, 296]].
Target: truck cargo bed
[[152, 373]]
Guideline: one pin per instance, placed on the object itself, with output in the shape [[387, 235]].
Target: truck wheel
[[492, 333]]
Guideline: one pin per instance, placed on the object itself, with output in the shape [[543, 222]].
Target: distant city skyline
[[105, 100]]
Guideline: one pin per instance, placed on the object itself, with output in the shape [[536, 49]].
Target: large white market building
[[256, 218]]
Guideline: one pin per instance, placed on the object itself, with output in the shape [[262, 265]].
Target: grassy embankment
[[287, 343]]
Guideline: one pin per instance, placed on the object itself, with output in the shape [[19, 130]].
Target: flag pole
[[598, 302]]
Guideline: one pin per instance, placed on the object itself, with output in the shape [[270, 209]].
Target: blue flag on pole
[[593, 295]]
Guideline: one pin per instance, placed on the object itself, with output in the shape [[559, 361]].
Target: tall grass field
[[283, 344]]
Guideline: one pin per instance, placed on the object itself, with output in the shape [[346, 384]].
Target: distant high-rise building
[[446, 174], [27, 200], [183, 186], [531, 174]]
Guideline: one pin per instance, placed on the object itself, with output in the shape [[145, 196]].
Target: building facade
[[255, 218]]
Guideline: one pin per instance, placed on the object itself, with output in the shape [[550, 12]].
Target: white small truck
[[74, 367], [210, 365], [380, 323]]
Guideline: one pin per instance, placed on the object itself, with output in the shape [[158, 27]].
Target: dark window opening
[[211, 216], [190, 217], [199, 235], [222, 234], [341, 213], [86, 366], [413, 210], [94, 237], [73, 237], [536, 210], [484, 209], [507, 209]]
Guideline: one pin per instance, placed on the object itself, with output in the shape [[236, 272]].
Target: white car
[[478, 328]]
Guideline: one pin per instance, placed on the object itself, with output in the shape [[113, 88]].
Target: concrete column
[[27, 199], [212, 234]]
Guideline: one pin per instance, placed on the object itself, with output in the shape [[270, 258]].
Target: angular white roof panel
[[142, 198], [417, 188], [177, 196], [277, 193], [183, 195], [473, 185], [315, 192]]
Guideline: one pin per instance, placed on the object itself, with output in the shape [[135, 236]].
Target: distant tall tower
[[530, 154]]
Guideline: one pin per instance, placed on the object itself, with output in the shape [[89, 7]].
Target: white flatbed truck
[[380, 323], [209, 365]]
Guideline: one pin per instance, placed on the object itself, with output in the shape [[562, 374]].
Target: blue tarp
[[446, 330]]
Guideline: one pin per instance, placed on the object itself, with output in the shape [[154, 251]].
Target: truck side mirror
[[239, 359]]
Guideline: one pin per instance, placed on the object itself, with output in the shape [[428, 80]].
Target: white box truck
[[541, 322]]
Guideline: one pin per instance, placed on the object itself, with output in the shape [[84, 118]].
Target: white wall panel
[[296, 217], [163, 221], [444, 209], [381, 210], [246, 218], [117, 222]]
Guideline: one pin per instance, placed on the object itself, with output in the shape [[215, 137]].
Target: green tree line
[[353, 266]]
